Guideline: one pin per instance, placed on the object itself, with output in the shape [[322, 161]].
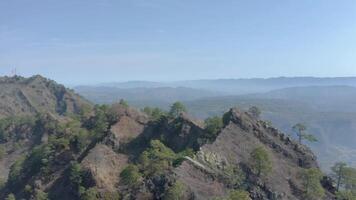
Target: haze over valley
[[177, 100]]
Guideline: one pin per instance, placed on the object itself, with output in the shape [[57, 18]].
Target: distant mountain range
[[240, 86], [159, 96]]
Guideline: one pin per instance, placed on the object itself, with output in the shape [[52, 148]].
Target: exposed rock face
[[28, 96], [104, 165], [181, 133], [233, 147], [130, 124]]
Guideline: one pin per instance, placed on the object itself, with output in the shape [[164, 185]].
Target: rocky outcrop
[[104, 166], [181, 133], [233, 146], [130, 124]]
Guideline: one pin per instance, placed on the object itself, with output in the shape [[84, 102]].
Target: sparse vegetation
[[212, 126], [234, 176], [124, 103], [255, 112], [260, 161], [155, 114], [75, 173], [311, 182], [40, 195], [175, 192], [236, 195], [90, 194], [176, 109], [157, 158], [130, 175], [300, 129], [345, 181], [239, 195], [339, 174], [15, 172], [10, 197], [346, 195], [7, 125], [2, 152]]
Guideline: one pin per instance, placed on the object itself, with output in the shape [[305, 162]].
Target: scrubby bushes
[[90, 194], [176, 109], [2, 152], [10, 197], [40, 195], [15, 172], [260, 161], [130, 175], [175, 192], [10, 123], [76, 177], [157, 158], [212, 127], [236, 195], [75, 174], [155, 114], [234, 176], [344, 177], [255, 112], [311, 182], [239, 195]]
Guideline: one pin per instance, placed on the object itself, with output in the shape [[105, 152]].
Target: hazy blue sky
[[83, 41]]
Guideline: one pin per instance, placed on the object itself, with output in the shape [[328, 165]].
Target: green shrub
[[28, 190], [15, 171], [2, 183], [10, 197], [130, 175], [235, 195], [155, 114], [110, 196], [234, 176], [39, 159], [180, 157], [175, 192], [75, 174], [346, 195], [8, 122], [124, 103], [40, 195], [176, 109], [2, 152], [239, 195], [90, 194], [212, 126], [260, 161], [147, 110], [255, 112], [157, 158], [311, 182]]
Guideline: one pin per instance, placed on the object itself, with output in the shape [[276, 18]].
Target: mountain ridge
[[93, 153], [27, 96]]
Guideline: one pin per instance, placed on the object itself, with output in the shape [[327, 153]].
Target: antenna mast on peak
[[14, 72]]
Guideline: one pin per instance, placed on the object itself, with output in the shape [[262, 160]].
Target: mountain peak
[[36, 94]]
